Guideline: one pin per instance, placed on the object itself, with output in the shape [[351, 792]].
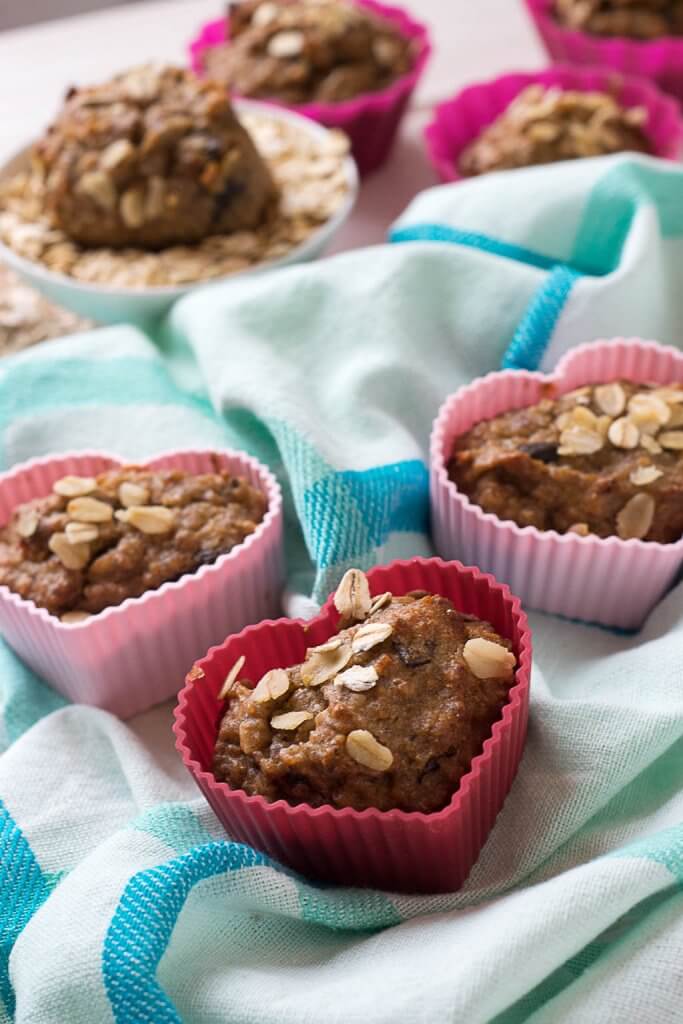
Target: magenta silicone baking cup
[[371, 120], [460, 120], [658, 59], [391, 850], [136, 654], [609, 581]]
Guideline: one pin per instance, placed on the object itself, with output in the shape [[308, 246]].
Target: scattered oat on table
[[27, 318]]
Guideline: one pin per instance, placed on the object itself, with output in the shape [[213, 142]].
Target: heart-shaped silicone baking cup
[[660, 60], [371, 120], [458, 121], [136, 654], [607, 580], [391, 850]]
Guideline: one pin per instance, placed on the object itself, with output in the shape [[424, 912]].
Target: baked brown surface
[[606, 460], [637, 19], [122, 533], [543, 125], [401, 740], [300, 51], [151, 158]]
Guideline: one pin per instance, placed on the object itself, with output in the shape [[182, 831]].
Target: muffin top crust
[[604, 459], [151, 158], [96, 541], [300, 51], [545, 124], [635, 19], [387, 713]]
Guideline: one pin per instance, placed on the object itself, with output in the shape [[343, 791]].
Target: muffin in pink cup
[[536, 116], [659, 57], [381, 738], [114, 577], [568, 486], [357, 77]]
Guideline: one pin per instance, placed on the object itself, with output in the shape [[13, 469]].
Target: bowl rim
[[34, 268], [440, 429], [518, 696], [406, 25], [652, 96], [269, 486]]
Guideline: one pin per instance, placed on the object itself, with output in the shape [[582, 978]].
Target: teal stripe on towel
[[534, 333], [142, 924], [23, 888], [473, 240]]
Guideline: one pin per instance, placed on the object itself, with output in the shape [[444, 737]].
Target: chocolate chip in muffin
[[387, 713], [544, 451]]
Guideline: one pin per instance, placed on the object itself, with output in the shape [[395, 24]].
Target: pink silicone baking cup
[[391, 850], [136, 654], [371, 121], [660, 59], [460, 120], [608, 581]]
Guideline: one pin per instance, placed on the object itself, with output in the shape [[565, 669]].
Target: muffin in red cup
[[375, 744], [348, 64], [527, 118], [636, 39]]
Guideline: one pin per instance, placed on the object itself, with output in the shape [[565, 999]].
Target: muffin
[[387, 713], [151, 158], [303, 51], [546, 124], [96, 541], [635, 19], [603, 460]]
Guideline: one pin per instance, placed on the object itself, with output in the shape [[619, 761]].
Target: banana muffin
[[152, 158], [605, 460], [636, 19], [300, 51], [388, 713], [96, 541], [543, 125]]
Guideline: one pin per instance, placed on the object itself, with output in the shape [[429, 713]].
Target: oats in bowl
[[230, 193]]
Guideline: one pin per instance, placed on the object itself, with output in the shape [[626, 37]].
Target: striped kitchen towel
[[120, 897]]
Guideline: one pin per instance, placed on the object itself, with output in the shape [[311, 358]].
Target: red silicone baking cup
[[390, 850], [371, 121], [658, 59], [605, 580], [136, 654], [460, 120]]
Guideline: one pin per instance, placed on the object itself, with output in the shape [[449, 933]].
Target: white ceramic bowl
[[144, 305]]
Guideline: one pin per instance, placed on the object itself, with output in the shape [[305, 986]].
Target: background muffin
[[636, 19], [151, 158], [545, 125], [300, 51]]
